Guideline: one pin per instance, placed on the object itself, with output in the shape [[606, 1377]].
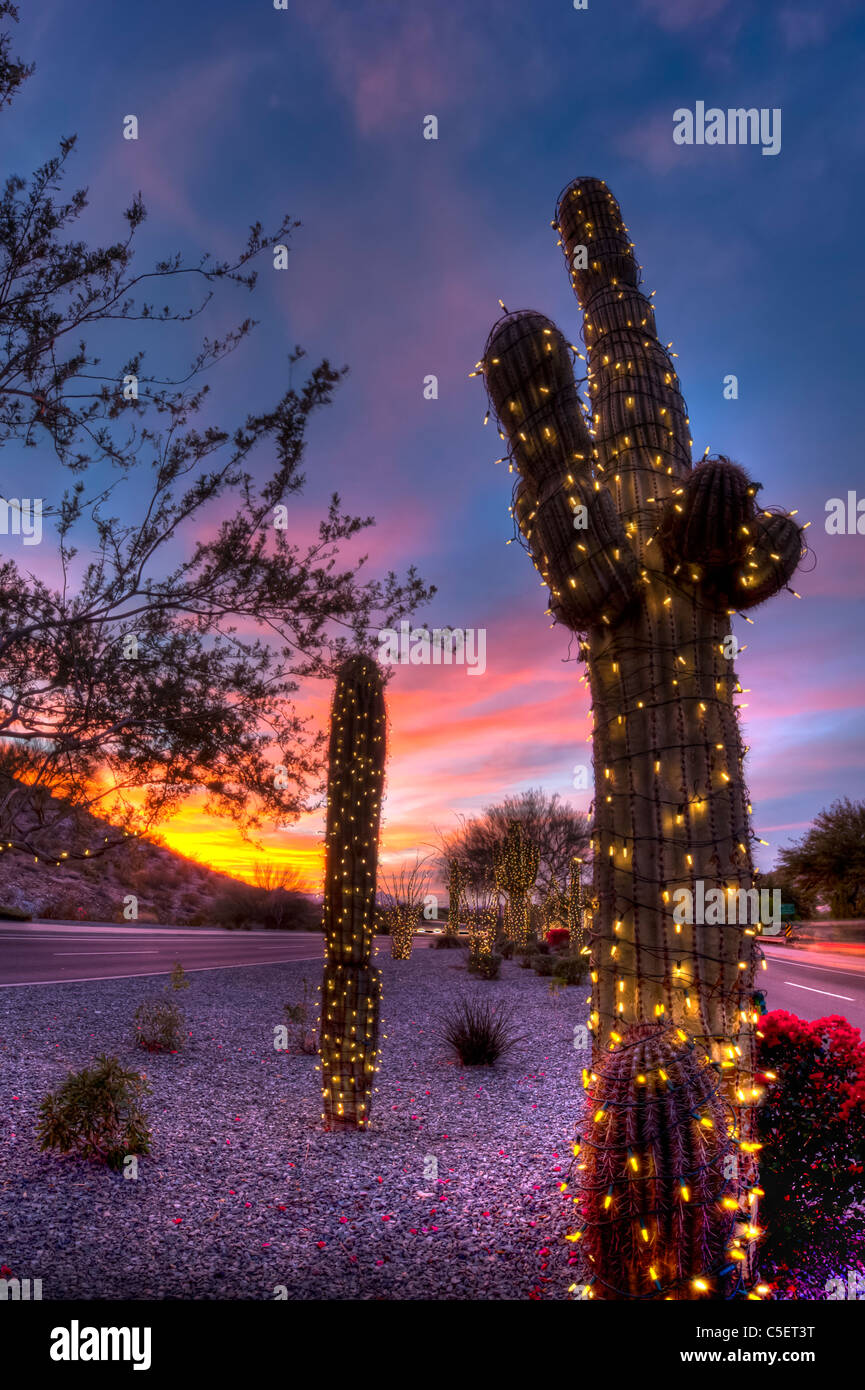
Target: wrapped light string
[[659, 1216], [516, 869], [456, 884], [403, 893], [351, 987], [647, 559]]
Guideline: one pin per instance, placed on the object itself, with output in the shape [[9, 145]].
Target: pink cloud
[[394, 67]]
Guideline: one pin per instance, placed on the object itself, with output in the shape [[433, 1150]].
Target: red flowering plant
[[558, 936], [812, 1126]]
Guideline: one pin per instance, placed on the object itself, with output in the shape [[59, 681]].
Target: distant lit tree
[[560, 832]]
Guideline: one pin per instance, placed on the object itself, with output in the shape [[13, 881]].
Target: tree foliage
[[163, 654], [829, 860]]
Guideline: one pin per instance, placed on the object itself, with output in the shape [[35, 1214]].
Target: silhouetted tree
[[829, 860], [145, 672]]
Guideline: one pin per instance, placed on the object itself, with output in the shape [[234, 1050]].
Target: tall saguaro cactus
[[648, 558], [351, 987]]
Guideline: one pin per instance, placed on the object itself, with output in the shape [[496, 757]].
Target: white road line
[[143, 974], [848, 997], [807, 965]]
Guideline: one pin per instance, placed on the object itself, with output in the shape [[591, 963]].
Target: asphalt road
[[812, 984], [47, 953], [808, 983]]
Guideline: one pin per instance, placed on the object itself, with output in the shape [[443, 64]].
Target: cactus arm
[[642, 432], [769, 566], [566, 515]]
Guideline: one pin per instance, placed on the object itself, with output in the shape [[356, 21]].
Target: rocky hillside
[[141, 880], [166, 887]]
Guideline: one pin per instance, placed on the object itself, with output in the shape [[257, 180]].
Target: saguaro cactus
[[575, 907], [456, 886], [648, 558], [352, 986], [516, 868]]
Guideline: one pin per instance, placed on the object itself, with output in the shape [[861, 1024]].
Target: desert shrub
[[543, 965], [13, 914], [479, 1032], [300, 1017], [557, 936], [487, 964], [811, 1123], [571, 970], [505, 947], [178, 979], [97, 1113], [159, 1025], [237, 906], [541, 948], [449, 942], [283, 910]]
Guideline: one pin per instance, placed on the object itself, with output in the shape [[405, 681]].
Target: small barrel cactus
[[656, 1158]]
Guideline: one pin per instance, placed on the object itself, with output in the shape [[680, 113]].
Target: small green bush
[[487, 966], [300, 1017], [97, 1113], [159, 1025], [13, 914], [543, 965], [571, 970], [505, 947], [178, 979], [448, 942]]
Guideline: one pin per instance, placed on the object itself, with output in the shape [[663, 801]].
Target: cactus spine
[[647, 558], [351, 987]]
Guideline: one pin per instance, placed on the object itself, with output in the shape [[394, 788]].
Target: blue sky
[[407, 245]]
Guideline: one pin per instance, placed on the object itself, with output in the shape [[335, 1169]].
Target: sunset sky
[[405, 249]]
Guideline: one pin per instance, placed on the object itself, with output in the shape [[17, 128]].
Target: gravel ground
[[454, 1192]]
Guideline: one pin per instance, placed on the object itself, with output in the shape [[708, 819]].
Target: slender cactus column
[[352, 985], [456, 886]]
